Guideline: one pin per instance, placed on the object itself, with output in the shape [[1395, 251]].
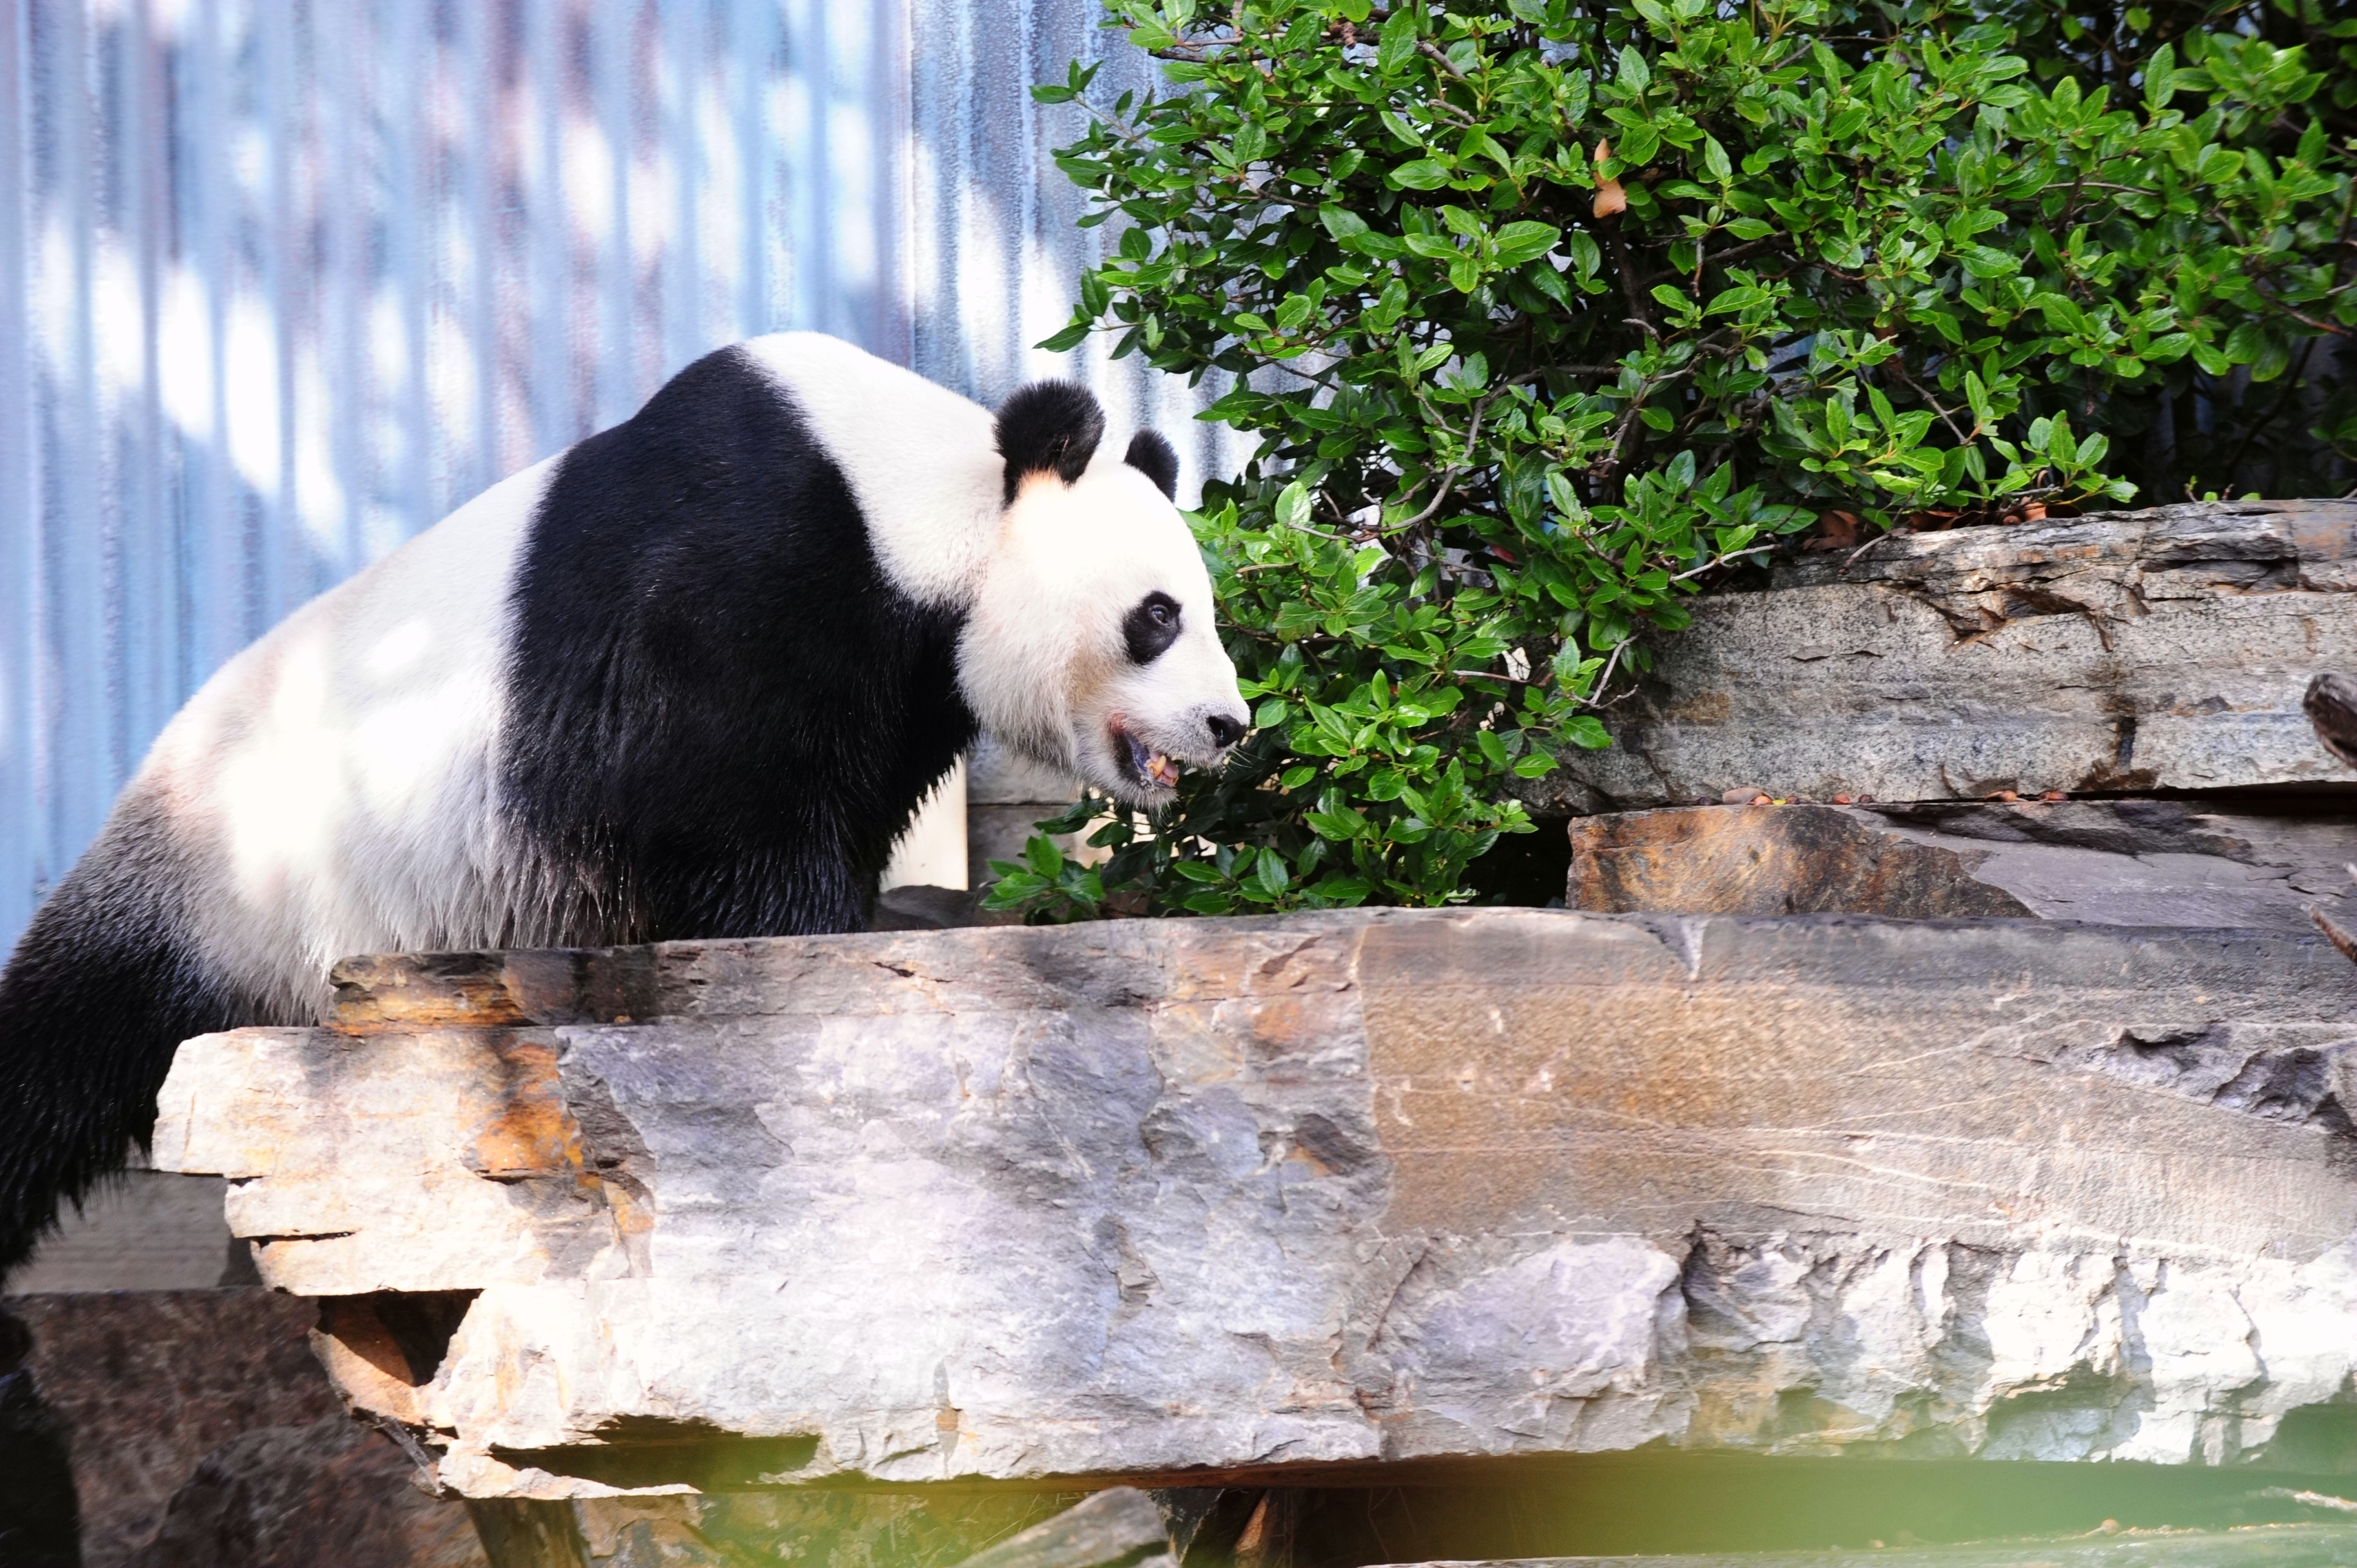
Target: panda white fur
[[690, 678]]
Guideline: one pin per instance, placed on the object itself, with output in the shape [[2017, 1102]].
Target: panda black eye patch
[[1151, 627]]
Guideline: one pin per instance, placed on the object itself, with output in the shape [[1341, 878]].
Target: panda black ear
[[1155, 459], [1049, 427]]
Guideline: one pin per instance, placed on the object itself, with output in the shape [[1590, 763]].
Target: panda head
[[1090, 646]]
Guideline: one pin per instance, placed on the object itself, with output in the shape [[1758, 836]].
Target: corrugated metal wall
[[282, 281]]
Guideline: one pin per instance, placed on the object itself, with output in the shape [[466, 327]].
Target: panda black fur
[[689, 678]]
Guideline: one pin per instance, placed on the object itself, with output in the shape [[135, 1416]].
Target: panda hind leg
[[102, 989]]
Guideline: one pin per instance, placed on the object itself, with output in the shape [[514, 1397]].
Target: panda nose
[[1226, 731]]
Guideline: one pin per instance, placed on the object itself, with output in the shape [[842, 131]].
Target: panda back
[[327, 791]]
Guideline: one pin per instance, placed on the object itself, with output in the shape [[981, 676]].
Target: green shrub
[[1547, 315]]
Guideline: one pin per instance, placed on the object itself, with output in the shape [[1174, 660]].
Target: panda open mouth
[[1139, 762]]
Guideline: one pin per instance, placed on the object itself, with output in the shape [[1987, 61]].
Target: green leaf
[[1397, 40], [1588, 733], [1522, 241], [1293, 505], [1270, 871], [1044, 857], [1423, 173], [1344, 891], [1633, 73], [2160, 78], [1341, 222]]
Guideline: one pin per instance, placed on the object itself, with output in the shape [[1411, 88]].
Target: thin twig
[[1448, 480], [2345, 944], [1127, 135], [2291, 384], [1320, 532], [1731, 555], [1428, 48], [2305, 320], [1861, 550], [1604, 681], [1611, 462], [1899, 363], [1734, 253], [429, 1473], [1625, 263]]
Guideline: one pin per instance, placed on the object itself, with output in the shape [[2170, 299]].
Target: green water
[[1625, 1505], [1621, 1510]]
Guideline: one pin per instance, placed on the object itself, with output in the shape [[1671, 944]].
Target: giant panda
[[690, 678]]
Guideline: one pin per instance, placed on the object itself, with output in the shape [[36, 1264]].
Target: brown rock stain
[[1712, 707], [526, 1130]]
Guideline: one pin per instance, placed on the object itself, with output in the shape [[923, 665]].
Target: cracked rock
[[2126, 652]]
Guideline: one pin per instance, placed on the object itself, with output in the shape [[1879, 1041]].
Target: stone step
[[2136, 863], [2125, 653], [1331, 1197]]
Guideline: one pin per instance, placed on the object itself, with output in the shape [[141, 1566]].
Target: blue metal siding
[[284, 281]]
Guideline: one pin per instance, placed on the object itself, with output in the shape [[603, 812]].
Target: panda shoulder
[[923, 461]]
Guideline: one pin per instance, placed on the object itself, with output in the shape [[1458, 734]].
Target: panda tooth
[[1162, 770]]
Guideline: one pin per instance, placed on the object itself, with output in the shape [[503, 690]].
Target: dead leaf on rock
[[1834, 530]]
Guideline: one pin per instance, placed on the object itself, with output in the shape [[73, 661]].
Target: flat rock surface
[[2136, 863], [2127, 652], [1152, 1199]]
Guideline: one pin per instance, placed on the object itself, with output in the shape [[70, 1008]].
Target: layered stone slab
[[1305, 1196], [2128, 652], [2159, 862]]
